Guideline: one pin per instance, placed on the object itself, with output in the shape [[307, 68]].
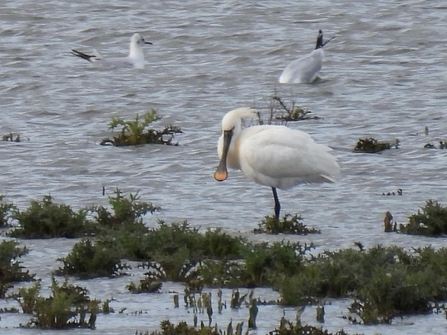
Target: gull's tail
[[90, 58]]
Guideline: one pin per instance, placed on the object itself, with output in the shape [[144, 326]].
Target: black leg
[[277, 204]]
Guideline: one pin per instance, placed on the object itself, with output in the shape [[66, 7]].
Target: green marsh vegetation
[[149, 284], [46, 219], [289, 224], [11, 269], [371, 145], [68, 306], [285, 327], [383, 282], [6, 211], [126, 212], [430, 220], [88, 259], [137, 131]]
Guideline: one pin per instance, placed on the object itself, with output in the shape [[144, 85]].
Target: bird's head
[[138, 40]]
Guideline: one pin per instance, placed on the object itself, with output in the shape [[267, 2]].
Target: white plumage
[[135, 59], [306, 68], [274, 156]]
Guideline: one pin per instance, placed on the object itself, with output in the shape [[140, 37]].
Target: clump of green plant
[[6, 210], [225, 273], [266, 263], [430, 220], [371, 145], [182, 254], [175, 266], [27, 297], [11, 270], [287, 327], [173, 249], [128, 212], [45, 219], [106, 309], [135, 132], [260, 265], [9, 137], [214, 243], [177, 251], [288, 225], [147, 244], [89, 260], [68, 306], [168, 328], [385, 282], [149, 284]]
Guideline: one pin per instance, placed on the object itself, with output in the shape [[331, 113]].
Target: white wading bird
[[274, 156], [306, 68], [135, 58]]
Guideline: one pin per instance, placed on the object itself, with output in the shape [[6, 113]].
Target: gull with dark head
[[270, 155], [135, 59]]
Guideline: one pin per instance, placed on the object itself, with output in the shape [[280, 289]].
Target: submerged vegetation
[[430, 220], [371, 145], [137, 132], [442, 145], [10, 137]]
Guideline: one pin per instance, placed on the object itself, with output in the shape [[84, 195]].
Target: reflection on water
[[383, 76]]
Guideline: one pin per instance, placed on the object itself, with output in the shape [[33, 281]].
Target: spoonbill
[[270, 155], [306, 68], [135, 58]]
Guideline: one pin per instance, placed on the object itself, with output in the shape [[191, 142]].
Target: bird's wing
[[118, 62], [285, 156], [82, 55], [304, 69]]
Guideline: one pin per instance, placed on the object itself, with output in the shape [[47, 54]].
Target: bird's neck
[[320, 43], [136, 52]]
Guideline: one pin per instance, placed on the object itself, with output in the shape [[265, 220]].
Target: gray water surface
[[384, 75]]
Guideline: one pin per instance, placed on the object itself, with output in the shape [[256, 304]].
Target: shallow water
[[384, 76]]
